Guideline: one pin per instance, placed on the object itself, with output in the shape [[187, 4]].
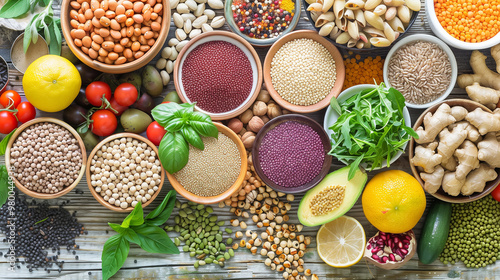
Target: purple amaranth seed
[[217, 75], [291, 154]]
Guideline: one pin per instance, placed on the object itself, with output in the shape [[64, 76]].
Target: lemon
[[393, 201], [341, 242], [51, 83]]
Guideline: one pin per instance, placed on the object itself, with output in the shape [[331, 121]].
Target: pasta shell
[[353, 30], [374, 32], [324, 19], [360, 18], [310, 1], [315, 7], [335, 33], [380, 10], [327, 5], [315, 15], [391, 13], [351, 43], [341, 23], [343, 38], [326, 29], [349, 14], [413, 5], [374, 20], [397, 25], [404, 14], [389, 32], [379, 42], [360, 44], [363, 37], [371, 4], [355, 4], [394, 3], [338, 8]]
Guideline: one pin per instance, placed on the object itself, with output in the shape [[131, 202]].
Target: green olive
[[135, 121]]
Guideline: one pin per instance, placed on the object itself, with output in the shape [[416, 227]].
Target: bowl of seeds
[[303, 71], [46, 158], [215, 173], [124, 169], [220, 72]]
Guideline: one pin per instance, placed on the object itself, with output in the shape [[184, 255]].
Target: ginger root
[[476, 180], [482, 74], [484, 95], [450, 141], [426, 158], [459, 113], [484, 121], [467, 159], [472, 132], [433, 180], [495, 53], [450, 164], [489, 150], [434, 124], [451, 184]]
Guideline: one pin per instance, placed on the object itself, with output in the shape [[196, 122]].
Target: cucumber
[[435, 232]]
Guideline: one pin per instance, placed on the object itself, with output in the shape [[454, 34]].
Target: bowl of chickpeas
[[115, 36], [123, 170]]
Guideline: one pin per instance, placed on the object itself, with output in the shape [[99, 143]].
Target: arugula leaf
[[192, 137], [4, 185], [334, 103], [174, 152], [135, 218], [114, 254], [14, 8], [161, 213], [354, 167], [155, 240], [5, 141]]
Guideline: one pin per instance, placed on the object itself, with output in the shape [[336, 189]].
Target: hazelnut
[[255, 124], [246, 116], [273, 111], [248, 138], [235, 125], [259, 108], [264, 96], [286, 112], [242, 131], [265, 119]]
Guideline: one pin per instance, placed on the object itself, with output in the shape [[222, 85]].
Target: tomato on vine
[[155, 133], [8, 122], [126, 94], [104, 122], [95, 92], [25, 112], [117, 107], [10, 97]]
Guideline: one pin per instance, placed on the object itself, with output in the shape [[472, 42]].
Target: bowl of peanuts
[[115, 36], [45, 158], [124, 169]]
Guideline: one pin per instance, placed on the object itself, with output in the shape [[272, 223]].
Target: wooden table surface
[[143, 265]]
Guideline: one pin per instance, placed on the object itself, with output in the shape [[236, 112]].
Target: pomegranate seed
[[404, 251], [380, 241], [392, 258], [375, 257], [400, 244], [369, 246], [382, 233], [375, 250], [383, 237], [406, 246], [389, 243], [396, 239], [408, 238], [385, 259]]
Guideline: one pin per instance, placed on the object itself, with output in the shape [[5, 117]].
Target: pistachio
[[181, 45], [169, 67], [209, 13], [215, 4], [166, 52], [174, 53], [182, 8], [172, 42], [187, 26], [206, 28], [198, 22], [165, 77], [180, 34], [187, 16], [199, 10], [194, 33], [161, 63], [218, 22]]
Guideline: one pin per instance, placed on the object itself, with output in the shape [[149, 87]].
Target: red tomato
[[95, 91], [7, 122], [104, 122], [115, 105], [25, 112], [496, 193], [8, 97], [165, 102], [155, 133], [126, 94]]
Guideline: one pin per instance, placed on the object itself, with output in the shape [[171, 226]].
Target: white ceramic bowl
[[444, 47], [331, 117], [450, 40]]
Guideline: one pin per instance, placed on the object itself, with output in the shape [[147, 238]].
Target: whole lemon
[[393, 201], [51, 83]]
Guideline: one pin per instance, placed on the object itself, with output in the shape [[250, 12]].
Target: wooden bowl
[[235, 40], [127, 66], [440, 194], [80, 143], [98, 196], [339, 64], [229, 192]]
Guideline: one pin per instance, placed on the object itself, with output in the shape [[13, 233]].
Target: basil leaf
[[114, 254], [164, 113], [135, 218], [55, 42], [202, 124], [131, 236], [174, 125], [334, 103], [4, 185], [116, 227], [173, 151], [192, 137], [161, 213], [5, 141], [155, 240], [14, 8]]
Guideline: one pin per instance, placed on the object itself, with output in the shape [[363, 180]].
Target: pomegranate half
[[389, 250]]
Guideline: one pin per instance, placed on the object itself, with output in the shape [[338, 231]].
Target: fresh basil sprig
[[4, 185], [183, 126], [144, 232], [5, 141]]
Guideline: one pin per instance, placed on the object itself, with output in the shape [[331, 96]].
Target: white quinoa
[[303, 72], [212, 171]]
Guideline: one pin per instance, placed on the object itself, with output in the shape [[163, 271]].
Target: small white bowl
[[443, 46], [331, 117], [450, 40]]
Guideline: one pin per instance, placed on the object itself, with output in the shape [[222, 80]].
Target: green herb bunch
[[183, 126], [144, 232], [4, 185], [42, 21], [5, 141], [370, 129]]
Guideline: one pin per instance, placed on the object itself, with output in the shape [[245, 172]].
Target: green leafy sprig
[[42, 21], [144, 232], [370, 128], [4, 185], [5, 141], [184, 126]]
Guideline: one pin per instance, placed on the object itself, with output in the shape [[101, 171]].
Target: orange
[[393, 201], [51, 83]]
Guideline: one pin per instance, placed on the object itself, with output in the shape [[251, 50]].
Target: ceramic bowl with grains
[[124, 169], [303, 71], [46, 158]]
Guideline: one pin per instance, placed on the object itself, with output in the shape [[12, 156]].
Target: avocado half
[[353, 190]]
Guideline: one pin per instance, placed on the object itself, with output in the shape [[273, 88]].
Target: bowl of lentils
[[220, 72], [290, 153], [124, 169], [46, 158], [215, 173], [262, 23], [303, 71]]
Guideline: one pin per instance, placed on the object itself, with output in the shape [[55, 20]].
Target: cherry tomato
[[155, 133], [8, 97], [25, 112], [7, 122], [126, 94], [95, 91], [165, 102], [496, 193], [115, 105], [104, 122]]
